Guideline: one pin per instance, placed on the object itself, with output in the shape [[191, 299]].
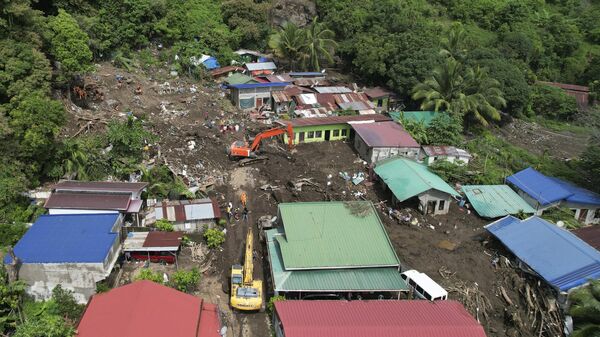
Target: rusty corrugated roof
[[88, 201], [337, 120], [100, 186], [591, 235]]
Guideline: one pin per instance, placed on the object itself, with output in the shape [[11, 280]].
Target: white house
[[449, 153]]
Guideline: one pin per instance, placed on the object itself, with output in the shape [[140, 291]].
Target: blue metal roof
[[538, 186], [84, 238], [258, 85], [557, 255], [579, 194], [547, 190]]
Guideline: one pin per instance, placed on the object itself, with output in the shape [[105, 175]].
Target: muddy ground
[[453, 249]]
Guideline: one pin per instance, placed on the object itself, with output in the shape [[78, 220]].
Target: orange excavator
[[249, 152]]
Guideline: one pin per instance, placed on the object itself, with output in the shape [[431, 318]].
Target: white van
[[423, 286]]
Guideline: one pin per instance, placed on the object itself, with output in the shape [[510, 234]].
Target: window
[[344, 132], [318, 134], [336, 133], [310, 134], [247, 103], [379, 103], [441, 205]]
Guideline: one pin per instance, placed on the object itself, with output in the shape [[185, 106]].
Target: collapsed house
[[75, 251], [148, 309], [377, 141], [374, 318], [452, 154], [332, 247], [186, 215], [494, 201], [543, 192], [251, 96], [556, 255], [407, 179]]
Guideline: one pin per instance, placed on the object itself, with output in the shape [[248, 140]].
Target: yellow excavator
[[246, 292]]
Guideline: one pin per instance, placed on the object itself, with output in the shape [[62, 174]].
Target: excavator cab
[[242, 149]]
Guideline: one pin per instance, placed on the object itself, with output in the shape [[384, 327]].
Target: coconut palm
[[463, 91], [75, 161], [443, 90], [320, 46], [288, 44], [454, 43]]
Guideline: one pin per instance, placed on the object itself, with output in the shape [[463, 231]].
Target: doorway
[[431, 207], [301, 137], [582, 215], [327, 134]]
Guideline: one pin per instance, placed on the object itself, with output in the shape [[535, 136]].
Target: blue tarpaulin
[[84, 238], [545, 190], [211, 63], [557, 255]]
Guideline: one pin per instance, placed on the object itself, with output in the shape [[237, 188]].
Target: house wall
[[441, 199], [452, 159], [343, 131], [382, 102], [247, 99], [534, 203], [193, 226], [375, 154], [592, 215], [278, 326]]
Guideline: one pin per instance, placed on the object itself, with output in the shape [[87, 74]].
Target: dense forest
[[481, 60]]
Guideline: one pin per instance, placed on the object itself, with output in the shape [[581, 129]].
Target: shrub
[[147, 274], [214, 237], [553, 103], [272, 300], [186, 281], [164, 225]]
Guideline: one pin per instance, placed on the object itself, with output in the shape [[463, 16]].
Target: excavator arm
[[273, 133], [248, 263]]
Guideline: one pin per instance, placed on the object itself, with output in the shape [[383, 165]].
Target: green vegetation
[[214, 237], [272, 300], [585, 310], [311, 48], [182, 280], [164, 225]]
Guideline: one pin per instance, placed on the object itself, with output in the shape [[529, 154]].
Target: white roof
[[332, 90], [261, 66], [134, 242], [308, 98], [425, 282]]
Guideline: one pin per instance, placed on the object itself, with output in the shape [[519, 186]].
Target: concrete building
[[76, 251], [543, 192], [319, 129], [251, 96], [332, 247], [449, 153], [187, 215], [407, 180], [378, 141]]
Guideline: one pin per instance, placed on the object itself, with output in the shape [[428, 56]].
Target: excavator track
[[251, 161]]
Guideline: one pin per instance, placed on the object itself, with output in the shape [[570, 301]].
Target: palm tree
[[463, 91], [75, 161], [484, 96], [288, 44], [443, 90], [453, 45], [320, 45]]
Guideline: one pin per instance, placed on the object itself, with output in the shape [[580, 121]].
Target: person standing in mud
[[245, 214]]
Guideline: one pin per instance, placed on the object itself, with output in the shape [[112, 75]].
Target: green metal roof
[[416, 116], [407, 178], [327, 235], [332, 280], [237, 78], [493, 201]]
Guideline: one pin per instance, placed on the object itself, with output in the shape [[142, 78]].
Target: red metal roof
[[163, 239], [226, 70], [97, 201], [444, 150], [100, 186], [591, 235], [351, 97], [148, 309], [376, 318], [279, 78], [384, 134], [336, 120], [377, 92]]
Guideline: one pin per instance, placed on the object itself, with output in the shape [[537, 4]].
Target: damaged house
[[187, 215], [378, 141]]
